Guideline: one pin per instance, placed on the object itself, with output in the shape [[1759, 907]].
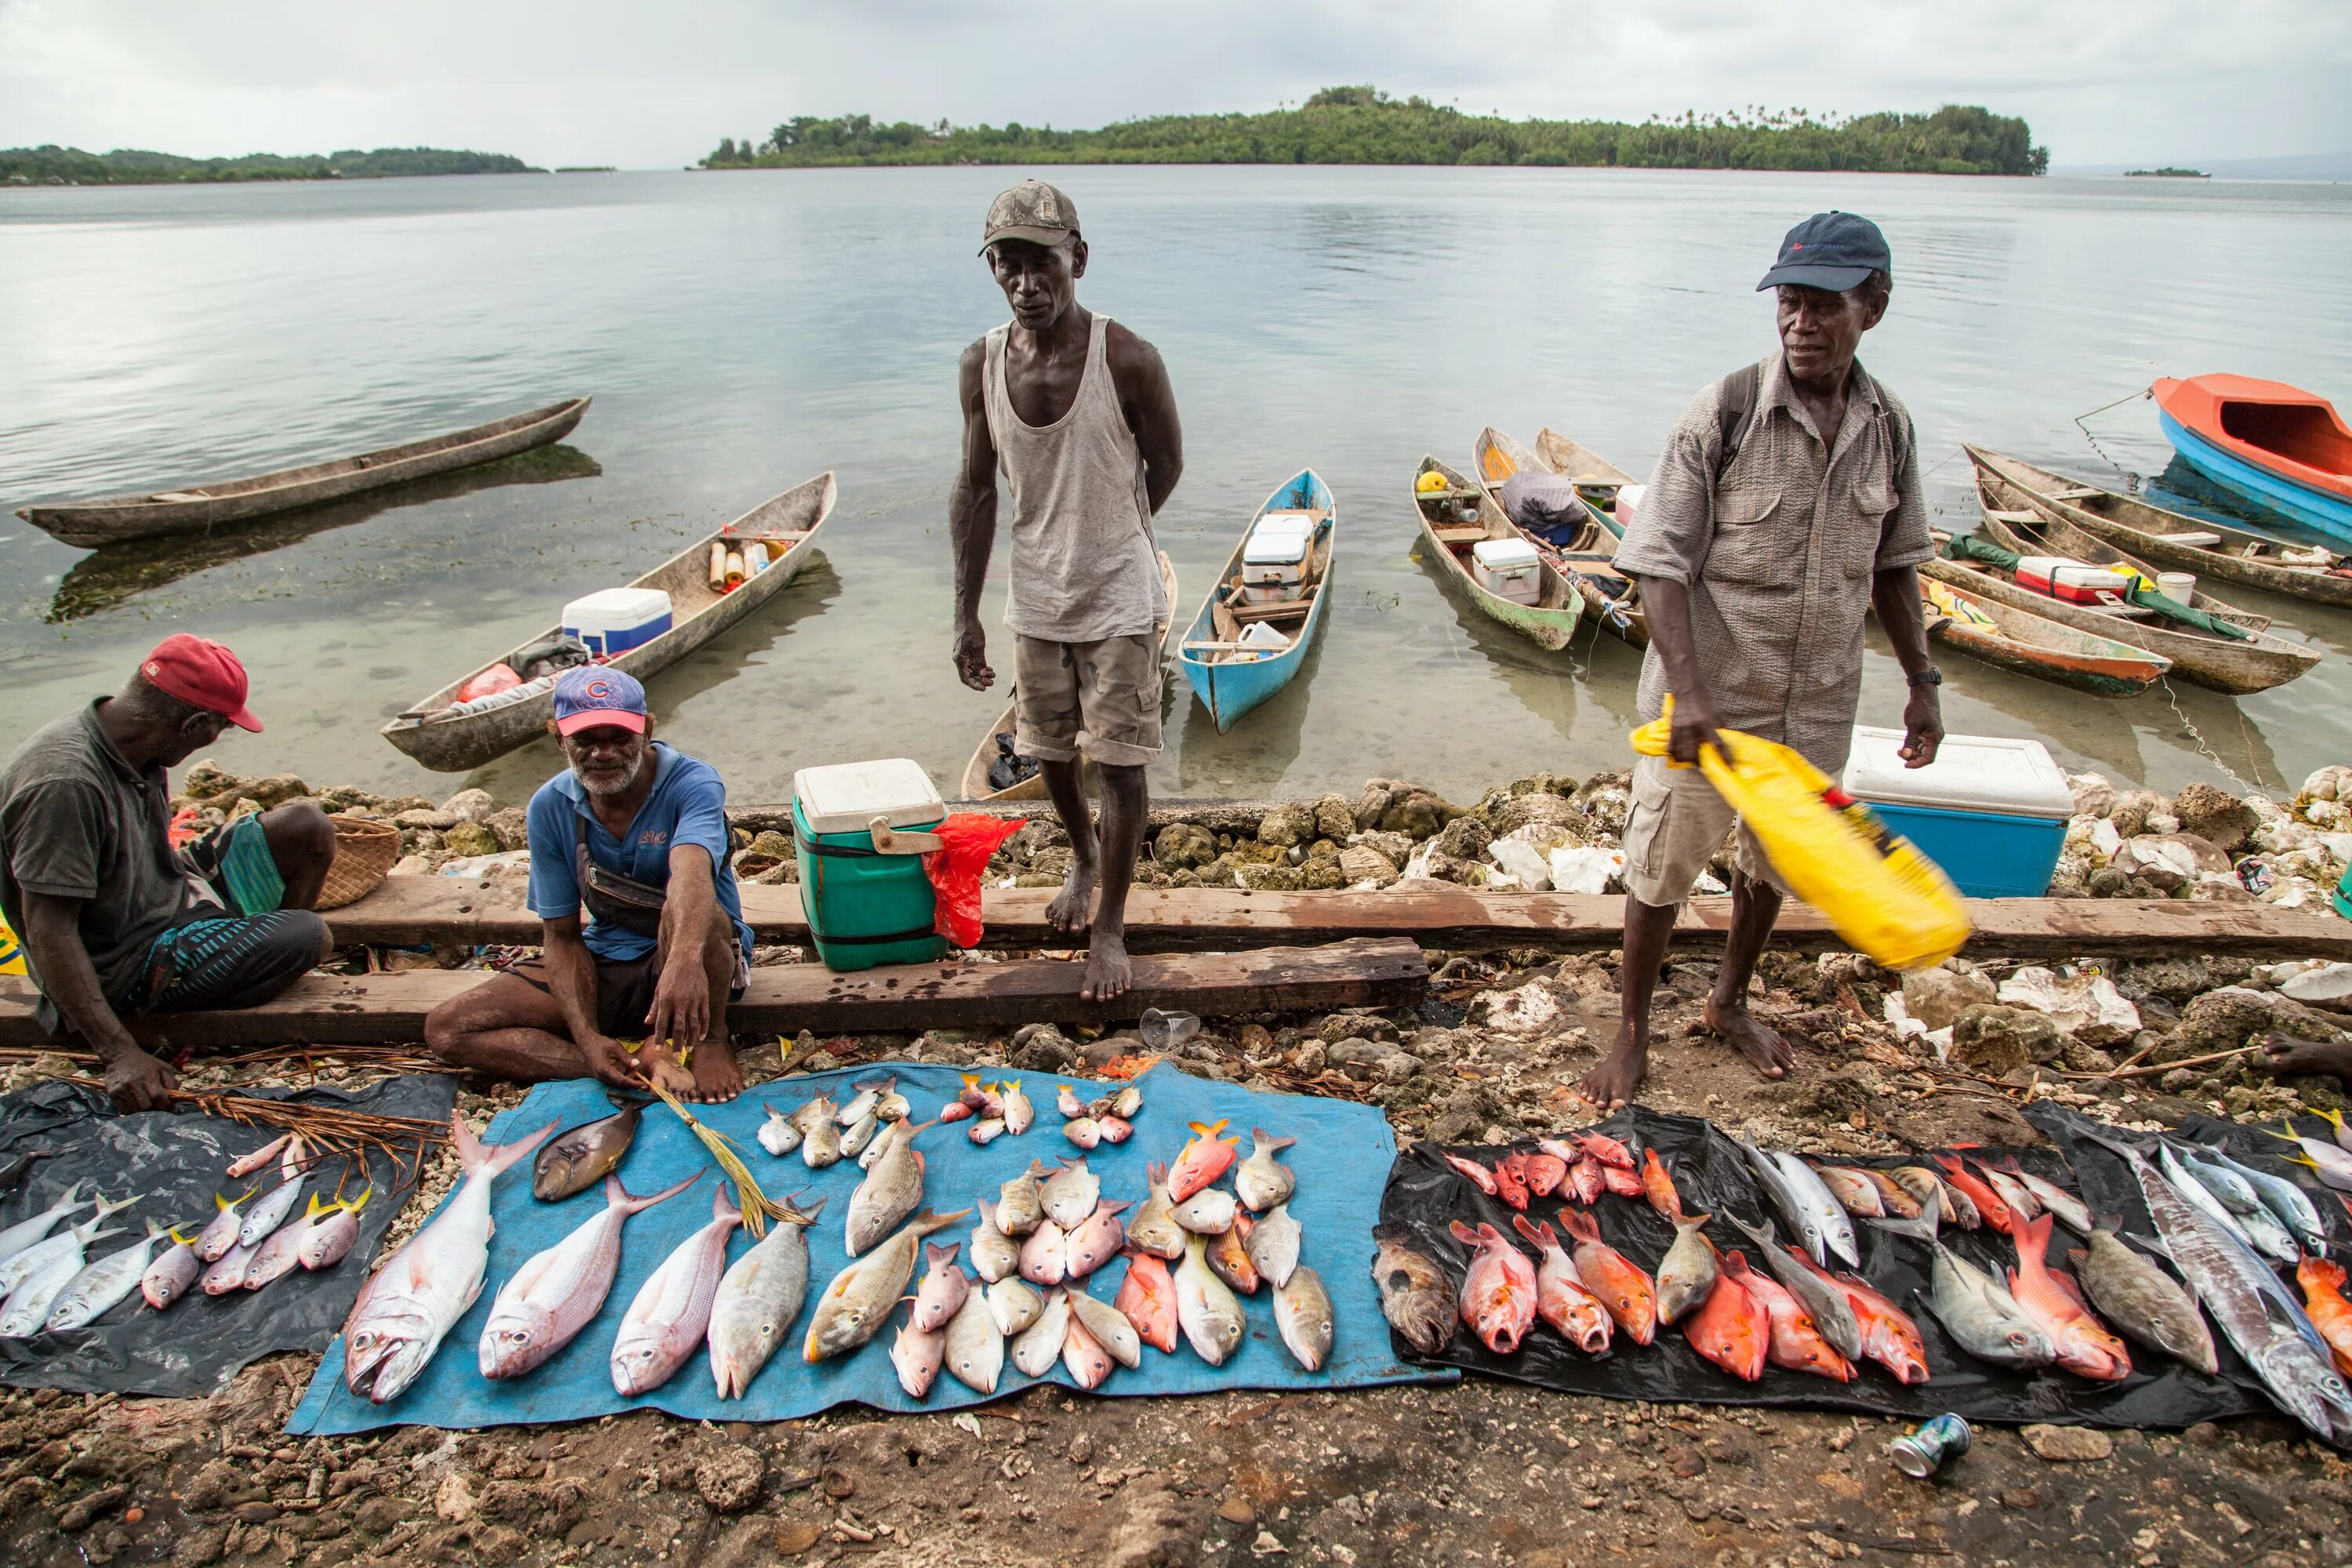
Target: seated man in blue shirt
[[635, 834]]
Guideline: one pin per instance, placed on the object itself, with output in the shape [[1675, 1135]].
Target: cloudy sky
[[654, 85]]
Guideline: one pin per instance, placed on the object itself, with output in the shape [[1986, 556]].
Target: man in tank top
[[1076, 412]]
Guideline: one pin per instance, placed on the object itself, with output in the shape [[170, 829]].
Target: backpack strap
[[1735, 408]]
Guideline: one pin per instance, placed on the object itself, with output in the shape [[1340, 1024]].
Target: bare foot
[[1611, 1084], [717, 1079], [661, 1067], [1763, 1047], [1073, 906], [1108, 973], [2285, 1054]]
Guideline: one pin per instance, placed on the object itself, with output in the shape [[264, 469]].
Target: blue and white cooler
[[1991, 812]]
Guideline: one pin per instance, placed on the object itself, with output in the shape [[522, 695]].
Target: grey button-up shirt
[[1778, 556]]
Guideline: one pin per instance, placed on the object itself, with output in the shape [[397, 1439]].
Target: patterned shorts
[[230, 960]]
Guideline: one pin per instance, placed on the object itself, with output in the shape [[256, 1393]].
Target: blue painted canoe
[[1229, 675], [2277, 445]]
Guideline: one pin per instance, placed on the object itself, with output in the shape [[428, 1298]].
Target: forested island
[[127, 166], [1365, 125]]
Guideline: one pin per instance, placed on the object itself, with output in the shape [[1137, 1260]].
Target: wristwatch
[[1931, 675]]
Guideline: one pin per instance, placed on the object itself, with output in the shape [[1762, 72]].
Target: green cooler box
[[864, 891]]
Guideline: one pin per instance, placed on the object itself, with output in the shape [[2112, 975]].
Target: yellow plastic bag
[[11, 955], [1876, 890]]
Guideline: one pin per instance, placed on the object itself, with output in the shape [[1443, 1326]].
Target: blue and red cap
[[590, 696], [1832, 250]]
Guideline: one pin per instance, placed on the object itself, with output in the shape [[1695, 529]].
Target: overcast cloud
[[654, 85]]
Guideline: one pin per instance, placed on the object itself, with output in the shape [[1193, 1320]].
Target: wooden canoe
[[2202, 659], [2174, 539], [975, 772], [88, 524], [1612, 599], [1597, 478], [453, 743], [1450, 531], [1228, 676], [2032, 644]]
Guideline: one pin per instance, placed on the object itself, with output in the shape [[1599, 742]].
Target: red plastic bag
[[955, 871]]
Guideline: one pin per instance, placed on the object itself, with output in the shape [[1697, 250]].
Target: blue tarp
[[1342, 1157]]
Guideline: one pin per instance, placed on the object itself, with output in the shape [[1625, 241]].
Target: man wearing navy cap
[[1785, 507], [635, 834], [117, 923]]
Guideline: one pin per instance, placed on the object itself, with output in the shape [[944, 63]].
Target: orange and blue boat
[[2277, 445]]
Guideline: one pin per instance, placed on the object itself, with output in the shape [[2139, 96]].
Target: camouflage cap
[[1032, 210]]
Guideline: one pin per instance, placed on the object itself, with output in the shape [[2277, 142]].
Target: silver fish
[[1019, 1205], [1095, 1241], [917, 1354], [280, 1252], [862, 1105], [43, 1255], [25, 1232], [1302, 1311], [975, 1346], [408, 1305], [1980, 1314], [2333, 1164], [1154, 1228], [1014, 1304], [2144, 1301], [330, 1238], [2011, 1190], [2253, 1216], [819, 1107], [1802, 1223], [556, 1292], [778, 1134], [1832, 1313], [671, 1314], [1687, 1274], [2245, 1301], [891, 1191], [940, 1294], [1039, 1345], [1208, 1212], [2071, 1211], [1836, 1226], [28, 1305], [856, 1305], [1071, 1193], [268, 1213], [1273, 1244], [228, 1273], [92, 1292], [168, 1278], [1109, 1328], [860, 1135], [1206, 1308], [987, 1130], [2184, 1182], [759, 1297], [1261, 1181], [2288, 1203], [994, 1255], [1045, 1254], [820, 1144]]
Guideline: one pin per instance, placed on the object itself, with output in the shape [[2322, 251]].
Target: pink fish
[[1045, 1254], [1201, 1161], [942, 1293], [1084, 1355], [667, 1323], [1574, 1312], [1095, 1241], [555, 1293], [1148, 1297], [1114, 1129], [328, 1239], [1498, 1292], [245, 1165], [1474, 1173], [1545, 1174]]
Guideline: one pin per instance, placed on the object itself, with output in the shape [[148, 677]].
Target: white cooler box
[[1509, 569], [1991, 811], [1273, 562], [614, 620]]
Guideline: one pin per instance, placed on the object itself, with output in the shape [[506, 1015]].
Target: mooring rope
[[2132, 480]]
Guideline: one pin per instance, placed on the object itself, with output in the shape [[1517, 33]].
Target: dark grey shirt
[[78, 821]]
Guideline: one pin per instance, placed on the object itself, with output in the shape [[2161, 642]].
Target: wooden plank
[[408, 910], [785, 998]]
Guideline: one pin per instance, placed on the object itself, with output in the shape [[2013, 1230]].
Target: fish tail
[[105, 1208], [310, 1212], [1579, 1225], [1692, 1221], [1460, 1232], [938, 1257], [184, 1240], [493, 1158], [930, 1220], [1269, 1145], [619, 1196], [1540, 1234], [353, 1205], [1920, 1229], [722, 1206]]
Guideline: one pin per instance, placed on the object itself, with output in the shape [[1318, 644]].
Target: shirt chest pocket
[[1864, 523], [1752, 543]]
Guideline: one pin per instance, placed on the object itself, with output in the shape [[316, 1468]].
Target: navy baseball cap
[[587, 696], [1831, 250]]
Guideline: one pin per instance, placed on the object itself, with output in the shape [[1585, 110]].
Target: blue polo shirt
[[687, 804]]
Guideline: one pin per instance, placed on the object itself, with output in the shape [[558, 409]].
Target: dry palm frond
[[309, 1059], [326, 1130], [757, 1207]]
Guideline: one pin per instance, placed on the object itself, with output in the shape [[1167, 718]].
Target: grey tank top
[[1084, 564]]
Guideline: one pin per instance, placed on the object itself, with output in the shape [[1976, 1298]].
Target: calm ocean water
[[742, 331]]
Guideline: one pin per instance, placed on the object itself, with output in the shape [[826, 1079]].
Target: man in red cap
[[114, 920]]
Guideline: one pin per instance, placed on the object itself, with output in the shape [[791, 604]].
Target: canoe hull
[[2316, 508], [1230, 690], [460, 744], [1612, 600], [88, 524], [1551, 624], [2029, 643]]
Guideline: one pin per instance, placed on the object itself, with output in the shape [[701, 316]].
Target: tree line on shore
[[130, 166], [1364, 125]]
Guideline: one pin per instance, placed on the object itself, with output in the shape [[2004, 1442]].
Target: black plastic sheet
[[1423, 1194], [176, 1163]]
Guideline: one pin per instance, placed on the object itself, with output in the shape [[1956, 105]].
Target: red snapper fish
[[1574, 1312], [1498, 1293], [1470, 1171], [1658, 1186], [1511, 1179], [1625, 1290], [1546, 1171], [1586, 1179], [2051, 1299], [1732, 1328], [1201, 1162], [1987, 1202], [1796, 1343], [1617, 1179], [1148, 1297]]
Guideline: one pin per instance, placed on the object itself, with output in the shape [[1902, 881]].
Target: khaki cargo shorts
[[1100, 699], [1674, 829]]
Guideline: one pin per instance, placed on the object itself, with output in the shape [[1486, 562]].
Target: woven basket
[[364, 852]]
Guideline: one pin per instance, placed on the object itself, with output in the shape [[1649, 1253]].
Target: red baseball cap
[[204, 673]]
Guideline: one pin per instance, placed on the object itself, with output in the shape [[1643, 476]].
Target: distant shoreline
[[52, 165]]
